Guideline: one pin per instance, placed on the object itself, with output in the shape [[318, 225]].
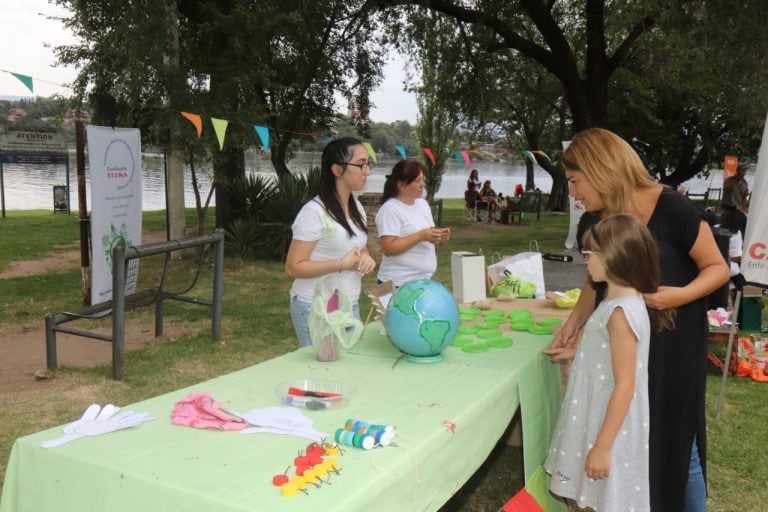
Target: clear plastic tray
[[315, 394]]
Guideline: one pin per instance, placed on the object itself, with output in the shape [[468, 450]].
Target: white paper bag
[[468, 276], [525, 265]]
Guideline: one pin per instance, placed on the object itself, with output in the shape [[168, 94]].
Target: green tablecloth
[[160, 466]]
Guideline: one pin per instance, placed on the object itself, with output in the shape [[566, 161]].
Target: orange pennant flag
[[195, 120]]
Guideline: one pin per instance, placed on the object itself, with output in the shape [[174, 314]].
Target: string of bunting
[[220, 129]]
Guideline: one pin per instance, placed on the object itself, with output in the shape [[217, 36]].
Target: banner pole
[[85, 262]]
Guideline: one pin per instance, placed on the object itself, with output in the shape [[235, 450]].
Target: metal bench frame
[[156, 295]]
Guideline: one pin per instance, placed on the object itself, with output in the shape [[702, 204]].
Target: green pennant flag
[[26, 80], [371, 152], [220, 127]]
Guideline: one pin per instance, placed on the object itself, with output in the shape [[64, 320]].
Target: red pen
[[315, 394]]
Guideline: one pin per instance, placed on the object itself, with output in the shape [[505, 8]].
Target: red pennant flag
[[522, 502], [430, 155]]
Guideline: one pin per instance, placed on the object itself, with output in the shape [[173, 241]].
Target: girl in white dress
[[599, 453], [330, 232], [407, 231]]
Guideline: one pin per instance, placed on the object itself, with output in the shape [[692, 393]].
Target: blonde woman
[[607, 175]]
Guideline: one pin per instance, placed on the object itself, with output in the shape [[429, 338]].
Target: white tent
[[754, 261]]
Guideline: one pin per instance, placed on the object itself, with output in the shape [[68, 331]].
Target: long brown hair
[[631, 259]]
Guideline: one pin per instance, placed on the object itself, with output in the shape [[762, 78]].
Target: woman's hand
[[665, 297], [435, 236], [351, 260], [566, 336], [366, 264]]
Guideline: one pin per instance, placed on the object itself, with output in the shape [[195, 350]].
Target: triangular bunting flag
[[401, 151], [541, 154], [430, 155], [220, 127], [195, 120], [457, 155], [467, 160], [371, 152], [263, 133], [26, 80], [530, 156], [522, 502]]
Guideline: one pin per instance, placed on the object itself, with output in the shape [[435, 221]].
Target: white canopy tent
[[754, 261]]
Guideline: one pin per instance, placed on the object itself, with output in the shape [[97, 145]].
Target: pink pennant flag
[[430, 155], [195, 120], [467, 161]]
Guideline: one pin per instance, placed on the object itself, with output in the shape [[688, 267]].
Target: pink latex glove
[[200, 410]]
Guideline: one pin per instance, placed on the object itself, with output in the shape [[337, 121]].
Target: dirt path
[[22, 349]]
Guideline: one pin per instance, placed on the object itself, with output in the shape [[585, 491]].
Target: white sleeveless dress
[[582, 412]]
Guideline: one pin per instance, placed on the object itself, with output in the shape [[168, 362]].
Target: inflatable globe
[[422, 319]]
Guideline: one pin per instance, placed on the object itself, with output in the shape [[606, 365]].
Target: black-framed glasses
[[362, 167]]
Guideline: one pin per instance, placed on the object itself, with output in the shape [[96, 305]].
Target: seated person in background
[[471, 199], [490, 195]]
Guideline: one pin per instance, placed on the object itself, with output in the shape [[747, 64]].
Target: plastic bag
[[513, 287], [332, 325], [527, 266]]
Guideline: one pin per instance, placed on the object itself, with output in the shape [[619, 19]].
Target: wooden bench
[[142, 276]]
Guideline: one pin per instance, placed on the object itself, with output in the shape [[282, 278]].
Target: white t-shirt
[[396, 218], [314, 224]]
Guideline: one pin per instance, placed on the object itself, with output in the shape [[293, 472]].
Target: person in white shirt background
[[407, 231], [330, 232]]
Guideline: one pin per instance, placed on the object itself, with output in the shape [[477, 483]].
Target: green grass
[[256, 327]]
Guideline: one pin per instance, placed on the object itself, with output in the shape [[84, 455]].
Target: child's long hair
[[631, 259]]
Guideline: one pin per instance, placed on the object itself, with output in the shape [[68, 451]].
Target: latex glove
[[97, 421], [280, 420]]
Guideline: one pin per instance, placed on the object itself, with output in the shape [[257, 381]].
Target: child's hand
[[560, 353], [598, 462]]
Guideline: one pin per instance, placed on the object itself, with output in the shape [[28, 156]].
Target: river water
[[28, 187]]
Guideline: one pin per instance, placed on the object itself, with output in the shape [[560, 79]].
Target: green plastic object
[[502, 342], [549, 321], [461, 341], [469, 329], [540, 329], [521, 326], [489, 333], [476, 348], [519, 314]]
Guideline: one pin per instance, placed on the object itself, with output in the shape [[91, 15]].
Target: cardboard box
[[468, 276]]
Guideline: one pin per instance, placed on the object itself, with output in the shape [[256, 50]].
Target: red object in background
[[522, 502], [518, 189]]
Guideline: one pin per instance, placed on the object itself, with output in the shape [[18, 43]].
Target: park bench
[[517, 207], [142, 276]]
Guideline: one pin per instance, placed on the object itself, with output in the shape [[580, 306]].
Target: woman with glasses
[[407, 231], [608, 177], [330, 232]]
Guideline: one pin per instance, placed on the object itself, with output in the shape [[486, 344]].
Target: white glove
[[96, 421]]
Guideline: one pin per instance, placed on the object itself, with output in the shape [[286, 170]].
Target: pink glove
[[200, 410]]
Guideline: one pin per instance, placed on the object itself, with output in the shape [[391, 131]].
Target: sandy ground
[[22, 349]]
